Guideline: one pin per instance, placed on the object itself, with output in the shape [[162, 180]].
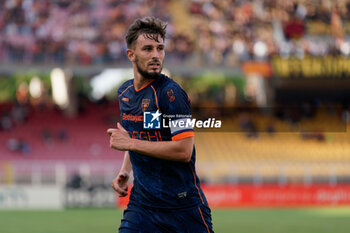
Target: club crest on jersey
[[151, 120], [145, 104], [171, 95]]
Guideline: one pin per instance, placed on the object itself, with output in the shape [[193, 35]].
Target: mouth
[[154, 65]]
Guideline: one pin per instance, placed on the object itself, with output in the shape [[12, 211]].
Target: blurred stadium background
[[277, 73]]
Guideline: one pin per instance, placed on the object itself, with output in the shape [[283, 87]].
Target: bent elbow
[[186, 156], [185, 149]]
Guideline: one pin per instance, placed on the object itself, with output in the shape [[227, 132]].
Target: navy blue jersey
[[160, 183]]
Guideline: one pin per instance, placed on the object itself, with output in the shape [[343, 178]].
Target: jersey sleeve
[[121, 95], [175, 107]]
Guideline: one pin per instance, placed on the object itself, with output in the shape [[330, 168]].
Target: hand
[[119, 138], [120, 185]]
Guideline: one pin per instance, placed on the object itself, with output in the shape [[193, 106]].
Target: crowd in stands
[[243, 30], [74, 32], [225, 31]]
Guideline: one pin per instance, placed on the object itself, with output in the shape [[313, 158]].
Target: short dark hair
[[151, 27]]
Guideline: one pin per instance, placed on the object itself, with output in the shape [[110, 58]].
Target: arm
[[119, 183], [126, 166], [180, 151]]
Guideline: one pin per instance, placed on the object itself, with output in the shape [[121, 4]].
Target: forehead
[[143, 40]]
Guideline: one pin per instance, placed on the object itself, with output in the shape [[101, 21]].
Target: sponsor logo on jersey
[[130, 117], [149, 135], [182, 195]]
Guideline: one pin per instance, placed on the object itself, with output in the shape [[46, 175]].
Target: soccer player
[[166, 194]]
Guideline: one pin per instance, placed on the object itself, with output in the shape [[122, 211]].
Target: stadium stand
[[262, 29], [81, 32], [269, 157], [50, 135], [90, 32]]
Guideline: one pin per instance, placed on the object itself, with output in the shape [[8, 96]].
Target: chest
[[133, 106], [136, 103]]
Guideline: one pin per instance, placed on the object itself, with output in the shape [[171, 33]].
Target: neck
[[139, 80]]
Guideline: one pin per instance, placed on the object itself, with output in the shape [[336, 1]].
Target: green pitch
[[300, 220]]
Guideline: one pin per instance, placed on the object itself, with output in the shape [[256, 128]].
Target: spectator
[[226, 32], [18, 145], [62, 135], [5, 122]]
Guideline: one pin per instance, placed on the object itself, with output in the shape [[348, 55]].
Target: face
[[148, 56]]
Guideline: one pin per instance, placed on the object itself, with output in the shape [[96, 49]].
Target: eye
[[148, 49]]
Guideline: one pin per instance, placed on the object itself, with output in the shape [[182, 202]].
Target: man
[[166, 195]]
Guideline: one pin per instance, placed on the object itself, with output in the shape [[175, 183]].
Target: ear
[[131, 54]]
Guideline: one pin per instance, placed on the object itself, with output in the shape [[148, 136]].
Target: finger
[[123, 194], [120, 191], [120, 127], [126, 190], [110, 131]]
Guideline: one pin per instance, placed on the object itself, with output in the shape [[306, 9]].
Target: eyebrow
[[148, 45]]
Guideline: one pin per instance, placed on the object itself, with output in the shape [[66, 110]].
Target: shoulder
[[172, 96], [168, 85], [127, 84]]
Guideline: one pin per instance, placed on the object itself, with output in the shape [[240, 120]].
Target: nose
[[155, 54]]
